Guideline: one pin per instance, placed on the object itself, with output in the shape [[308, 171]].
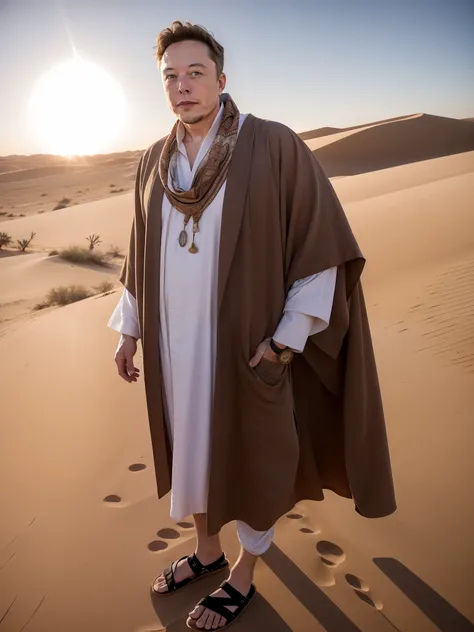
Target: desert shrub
[[44, 194], [53, 252], [111, 185], [93, 241], [80, 254], [5, 240], [104, 286], [116, 190], [114, 251], [41, 305], [24, 243], [3, 212], [63, 295]]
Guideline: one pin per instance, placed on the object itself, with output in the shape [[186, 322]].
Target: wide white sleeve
[[125, 316], [307, 310]]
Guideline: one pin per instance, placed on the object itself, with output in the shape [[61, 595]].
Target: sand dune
[[71, 226], [326, 131], [26, 280], [9, 163], [31, 275], [375, 183], [403, 141], [318, 142], [33, 184], [40, 172], [83, 533], [395, 229], [321, 131]]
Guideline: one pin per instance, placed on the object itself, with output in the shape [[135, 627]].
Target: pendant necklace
[[183, 235]]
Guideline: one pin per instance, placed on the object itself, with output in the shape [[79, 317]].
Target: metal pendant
[[183, 238]]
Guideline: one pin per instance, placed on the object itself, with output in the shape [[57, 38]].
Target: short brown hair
[[179, 32]]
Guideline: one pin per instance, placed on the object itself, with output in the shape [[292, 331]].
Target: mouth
[[185, 103]]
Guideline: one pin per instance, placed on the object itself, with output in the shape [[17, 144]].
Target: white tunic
[[188, 313]]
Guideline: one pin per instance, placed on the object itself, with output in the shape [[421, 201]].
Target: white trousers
[[255, 542]]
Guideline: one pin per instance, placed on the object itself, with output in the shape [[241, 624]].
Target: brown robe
[[279, 434]]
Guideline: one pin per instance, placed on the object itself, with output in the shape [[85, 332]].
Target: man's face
[[190, 80]]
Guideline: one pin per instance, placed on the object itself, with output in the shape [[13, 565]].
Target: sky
[[305, 63]]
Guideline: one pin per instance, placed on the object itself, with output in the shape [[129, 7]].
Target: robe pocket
[[270, 372]]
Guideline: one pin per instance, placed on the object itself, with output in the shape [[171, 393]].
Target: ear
[[222, 83]]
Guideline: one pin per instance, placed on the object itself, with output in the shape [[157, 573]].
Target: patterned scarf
[[210, 175]]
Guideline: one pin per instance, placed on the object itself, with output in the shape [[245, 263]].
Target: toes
[[222, 622], [202, 621], [162, 586], [210, 621], [197, 612], [215, 625], [159, 585]]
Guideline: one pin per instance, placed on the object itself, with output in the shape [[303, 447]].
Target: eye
[[170, 77], [196, 72]]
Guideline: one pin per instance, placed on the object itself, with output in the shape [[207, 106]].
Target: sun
[[77, 108]]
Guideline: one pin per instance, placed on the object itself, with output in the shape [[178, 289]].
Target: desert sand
[[83, 534], [37, 183]]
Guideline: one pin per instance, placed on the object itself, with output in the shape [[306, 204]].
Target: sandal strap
[[235, 598], [199, 568], [238, 599], [217, 605], [196, 566], [169, 575]]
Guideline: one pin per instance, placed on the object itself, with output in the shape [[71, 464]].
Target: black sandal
[[199, 570], [218, 605]]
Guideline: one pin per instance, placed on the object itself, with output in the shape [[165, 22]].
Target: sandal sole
[[173, 592], [227, 625]]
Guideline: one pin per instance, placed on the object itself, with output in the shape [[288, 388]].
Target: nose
[[183, 86]]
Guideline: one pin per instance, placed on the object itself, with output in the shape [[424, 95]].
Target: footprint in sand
[[112, 498], [331, 554], [356, 583], [305, 520], [374, 603], [137, 467], [362, 590], [185, 525], [157, 545], [168, 534]]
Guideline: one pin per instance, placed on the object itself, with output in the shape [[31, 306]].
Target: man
[[242, 281]]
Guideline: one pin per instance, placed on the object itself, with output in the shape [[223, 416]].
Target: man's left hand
[[264, 351]]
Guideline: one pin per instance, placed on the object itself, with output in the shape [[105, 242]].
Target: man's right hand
[[126, 349]]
